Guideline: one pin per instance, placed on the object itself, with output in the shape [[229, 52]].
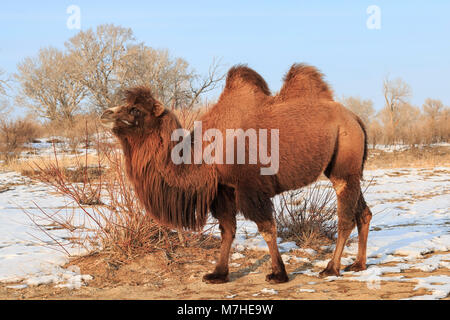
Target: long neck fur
[[177, 196]]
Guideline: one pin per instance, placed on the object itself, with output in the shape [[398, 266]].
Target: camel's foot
[[356, 266], [280, 277], [330, 270], [215, 278]]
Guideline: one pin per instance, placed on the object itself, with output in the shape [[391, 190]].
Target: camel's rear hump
[[304, 81]]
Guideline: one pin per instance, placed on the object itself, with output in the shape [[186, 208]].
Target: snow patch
[[237, 255], [269, 291]]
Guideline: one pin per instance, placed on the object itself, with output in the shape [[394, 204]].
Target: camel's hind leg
[[345, 171], [363, 217], [224, 209], [348, 192]]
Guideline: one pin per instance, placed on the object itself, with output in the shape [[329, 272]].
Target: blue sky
[[413, 42]]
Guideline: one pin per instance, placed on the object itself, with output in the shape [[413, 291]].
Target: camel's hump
[[305, 81], [241, 75]]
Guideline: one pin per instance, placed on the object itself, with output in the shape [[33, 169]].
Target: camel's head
[[139, 112]]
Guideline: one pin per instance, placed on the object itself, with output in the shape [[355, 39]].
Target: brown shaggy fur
[[306, 82], [316, 135], [240, 76]]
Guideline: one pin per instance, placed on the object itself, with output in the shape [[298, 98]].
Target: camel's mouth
[[108, 119], [107, 124]]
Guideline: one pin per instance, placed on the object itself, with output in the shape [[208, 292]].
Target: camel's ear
[[158, 109]]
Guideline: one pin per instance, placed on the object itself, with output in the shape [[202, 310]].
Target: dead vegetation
[[114, 223], [419, 156], [307, 216], [14, 134]]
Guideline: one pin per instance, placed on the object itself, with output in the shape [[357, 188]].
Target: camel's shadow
[[247, 270], [292, 275]]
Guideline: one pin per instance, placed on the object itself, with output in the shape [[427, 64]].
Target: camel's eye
[[135, 112]]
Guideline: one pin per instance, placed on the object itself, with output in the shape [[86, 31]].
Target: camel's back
[[303, 119], [306, 141]]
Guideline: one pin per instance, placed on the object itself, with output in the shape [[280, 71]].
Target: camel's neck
[[175, 195], [153, 150]]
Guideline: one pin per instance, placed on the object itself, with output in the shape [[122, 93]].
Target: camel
[[316, 135]]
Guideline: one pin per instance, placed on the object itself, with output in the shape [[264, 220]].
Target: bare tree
[[363, 108], [444, 124], [168, 78], [375, 132], [171, 80], [4, 108], [3, 82], [109, 60], [200, 85], [98, 65], [396, 93], [97, 55], [47, 85], [4, 103], [433, 110], [409, 123]]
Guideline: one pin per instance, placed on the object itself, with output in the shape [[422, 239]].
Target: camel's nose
[[107, 115]]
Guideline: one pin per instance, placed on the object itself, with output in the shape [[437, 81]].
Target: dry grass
[[423, 157], [27, 167]]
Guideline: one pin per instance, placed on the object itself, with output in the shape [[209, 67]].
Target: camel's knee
[[363, 214], [267, 227], [346, 223], [228, 230], [366, 216]]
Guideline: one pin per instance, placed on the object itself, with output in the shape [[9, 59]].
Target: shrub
[[74, 130], [115, 223], [307, 215], [14, 134]]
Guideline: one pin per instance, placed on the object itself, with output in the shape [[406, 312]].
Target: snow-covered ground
[[26, 253], [411, 219], [411, 209]]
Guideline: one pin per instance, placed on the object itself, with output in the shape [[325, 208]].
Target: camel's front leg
[[227, 225], [268, 230]]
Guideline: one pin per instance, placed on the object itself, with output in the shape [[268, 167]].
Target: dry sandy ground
[[157, 276]]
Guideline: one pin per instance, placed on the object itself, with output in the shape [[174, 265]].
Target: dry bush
[[74, 131], [308, 215], [114, 221], [375, 133], [14, 134]]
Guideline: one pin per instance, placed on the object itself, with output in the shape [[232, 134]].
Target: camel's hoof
[[215, 278], [277, 278], [329, 271], [356, 267]]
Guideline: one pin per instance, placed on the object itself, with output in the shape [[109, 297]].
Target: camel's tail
[[363, 127], [304, 81], [330, 166]]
